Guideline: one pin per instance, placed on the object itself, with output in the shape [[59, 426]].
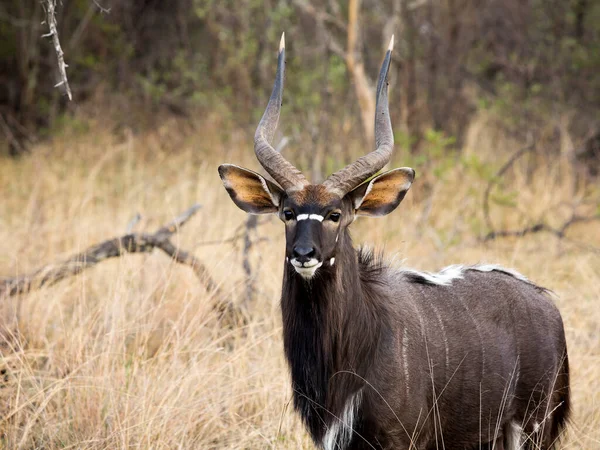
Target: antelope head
[[315, 215]]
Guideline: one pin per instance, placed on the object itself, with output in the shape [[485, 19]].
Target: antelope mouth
[[306, 269]]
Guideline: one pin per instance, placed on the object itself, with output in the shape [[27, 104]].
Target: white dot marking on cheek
[[331, 261]]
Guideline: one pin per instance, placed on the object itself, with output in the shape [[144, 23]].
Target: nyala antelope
[[385, 358]]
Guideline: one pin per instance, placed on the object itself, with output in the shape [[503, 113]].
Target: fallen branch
[[130, 243], [62, 67]]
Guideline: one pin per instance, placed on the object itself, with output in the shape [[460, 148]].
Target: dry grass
[[130, 354]]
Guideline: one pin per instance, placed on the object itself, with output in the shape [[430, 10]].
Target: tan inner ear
[[384, 190], [251, 190]]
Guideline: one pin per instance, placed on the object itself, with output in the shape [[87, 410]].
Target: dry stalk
[[60, 56]]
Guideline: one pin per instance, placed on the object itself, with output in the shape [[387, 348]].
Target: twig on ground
[[62, 67], [133, 222], [112, 248]]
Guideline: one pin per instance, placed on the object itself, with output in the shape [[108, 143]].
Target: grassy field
[[131, 354]]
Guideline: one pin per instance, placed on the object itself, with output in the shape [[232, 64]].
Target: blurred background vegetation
[[495, 103], [523, 67]]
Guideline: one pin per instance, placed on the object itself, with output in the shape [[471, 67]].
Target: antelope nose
[[303, 253]]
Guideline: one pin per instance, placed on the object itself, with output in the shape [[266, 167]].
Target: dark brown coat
[[466, 357]]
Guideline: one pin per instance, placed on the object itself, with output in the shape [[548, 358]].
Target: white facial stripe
[[331, 261], [310, 216]]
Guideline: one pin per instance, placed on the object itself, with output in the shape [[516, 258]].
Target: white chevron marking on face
[[318, 217]]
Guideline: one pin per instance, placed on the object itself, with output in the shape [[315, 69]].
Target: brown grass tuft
[[130, 353]]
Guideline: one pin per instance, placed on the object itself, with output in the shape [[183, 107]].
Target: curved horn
[[346, 179], [288, 177]]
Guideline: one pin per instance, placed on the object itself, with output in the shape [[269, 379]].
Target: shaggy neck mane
[[331, 325]]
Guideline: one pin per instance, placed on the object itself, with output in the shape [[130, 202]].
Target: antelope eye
[[288, 215], [335, 217]]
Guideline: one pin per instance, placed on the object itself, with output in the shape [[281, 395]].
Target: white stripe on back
[[456, 272]]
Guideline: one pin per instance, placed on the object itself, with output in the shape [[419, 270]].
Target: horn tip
[[391, 46], [282, 42]]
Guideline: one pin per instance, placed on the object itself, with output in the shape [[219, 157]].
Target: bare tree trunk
[[432, 76], [322, 126], [408, 76], [580, 10], [362, 85]]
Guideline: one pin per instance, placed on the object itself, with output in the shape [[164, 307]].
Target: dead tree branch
[[321, 15], [251, 224], [363, 84], [130, 243], [559, 232], [62, 67], [486, 196], [538, 227], [238, 235], [102, 8]]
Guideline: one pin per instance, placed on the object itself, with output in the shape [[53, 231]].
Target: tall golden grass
[[130, 354]]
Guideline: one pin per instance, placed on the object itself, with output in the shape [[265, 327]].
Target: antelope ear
[[250, 191], [382, 194]]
